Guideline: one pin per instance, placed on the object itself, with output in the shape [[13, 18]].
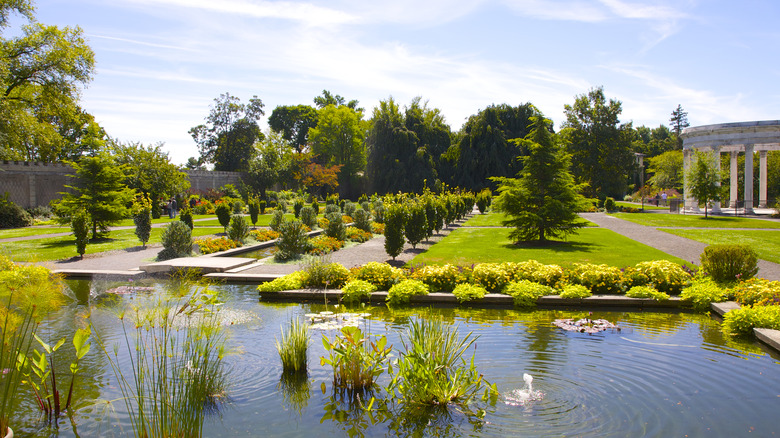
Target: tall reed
[[293, 347]]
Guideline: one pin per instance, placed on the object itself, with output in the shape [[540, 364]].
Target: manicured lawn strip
[[695, 221], [263, 220], [494, 219], [765, 243], [648, 206], [162, 220], [58, 248], [465, 246], [31, 231]]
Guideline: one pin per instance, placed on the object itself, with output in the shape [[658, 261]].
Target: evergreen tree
[[395, 221], [543, 200], [678, 122], [142, 217], [416, 224], [703, 179], [99, 189]]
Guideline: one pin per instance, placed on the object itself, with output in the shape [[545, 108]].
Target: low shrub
[[320, 273], [742, 321], [349, 209], [355, 291], [13, 216], [292, 242], [377, 228], [336, 228], [176, 241], [238, 229], [185, 215], [381, 275], [362, 220], [575, 291], [634, 277], [402, 292], [354, 234], [322, 245], [729, 263], [702, 292], [263, 235], [212, 245], [222, 209], [600, 279], [297, 207], [441, 278], [757, 291], [331, 209], [609, 204], [526, 293], [646, 292], [665, 276], [491, 276], [296, 280], [532, 270], [308, 217], [469, 292]]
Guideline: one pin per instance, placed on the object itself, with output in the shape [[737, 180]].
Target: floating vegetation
[[585, 325], [124, 290], [335, 321]]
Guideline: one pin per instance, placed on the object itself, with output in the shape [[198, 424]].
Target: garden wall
[[33, 184]]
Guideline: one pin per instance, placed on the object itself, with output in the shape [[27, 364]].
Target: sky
[[161, 63]]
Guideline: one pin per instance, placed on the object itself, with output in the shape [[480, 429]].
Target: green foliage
[[395, 222], [297, 207], [757, 291], [309, 217], [401, 292], [349, 209], [599, 279], [441, 278], [664, 275], [322, 245], [293, 347], [646, 292], [532, 270], [729, 263], [492, 276], [362, 219], [332, 208], [432, 369], [702, 292], [320, 273], [238, 229], [13, 216], [742, 321], [484, 199], [526, 293], [574, 291], [416, 228], [292, 242], [222, 209], [142, 218], [294, 123], [543, 201], [80, 226], [381, 275], [277, 219], [468, 292], [293, 281], [338, 139], [238, 206], [357, 359], [262, 204], [185, 215], [634, 277], [148, 170], [354, 234], [667, 170], [355, 291], [336, 228], [176, 240], [315, 206], [254, 210], [703, 179], [609, 204]]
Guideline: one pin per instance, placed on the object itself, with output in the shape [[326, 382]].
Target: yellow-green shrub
[[702, 292], [575, 291], [381, 275], [356, 290], [600, 279], [491, 276], [757, 291], [441, 277], [664, 275], [296, 280], [532, 270], [742, 321], [646, 292], [402, 292], [526, 293]]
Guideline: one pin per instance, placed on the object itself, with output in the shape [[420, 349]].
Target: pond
[[662, 374]]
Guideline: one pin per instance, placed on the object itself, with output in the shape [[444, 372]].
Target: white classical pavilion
[[733, 138]]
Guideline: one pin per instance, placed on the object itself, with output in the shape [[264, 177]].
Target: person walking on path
[[172, 208]]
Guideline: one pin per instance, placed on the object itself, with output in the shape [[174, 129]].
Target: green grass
[[465, 246], [64, 247], [494, 219], [163, 220], [31, 231], [648, 206], [695, 221], [263, 220], [765, 243]]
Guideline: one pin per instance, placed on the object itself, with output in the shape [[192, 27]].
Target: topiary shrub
[[335, 228], [238, 206], [742, 321], [349, 209], [292, 242], [315, 206], [176, 241], [526, 293], [263, 205], [609, 204], [13, 216], [646, 292], [356, 291], [416, 223], [79, 224], [332, 208], [729, 263], [362, 220], [402, 292], [469, 292], [223, 214], [297, 207], [309, 217], [574, 291], [238, 229], [185, 215], [664, 275], [142, 218], [483, 200], [381, 275], [254, 210], [277, 219]]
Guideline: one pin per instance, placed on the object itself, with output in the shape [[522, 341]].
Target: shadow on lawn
[[553, 245]]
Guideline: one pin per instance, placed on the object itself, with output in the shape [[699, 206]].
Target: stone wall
[[33, 184]]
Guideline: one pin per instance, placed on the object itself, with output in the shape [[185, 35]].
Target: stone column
[[690, 203], [716, 159], [762, 179], [749, 179], [734, 177]]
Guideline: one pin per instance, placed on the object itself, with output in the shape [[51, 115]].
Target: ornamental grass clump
[[355, 291], [402, 292], [646, 292], [665, 276], [441, 278], [526, 293], [293, 347], [469, 292], [292, 242], [729, 263], [357, 359], [600, 279]]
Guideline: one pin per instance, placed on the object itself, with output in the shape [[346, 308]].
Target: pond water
[[662, 374]]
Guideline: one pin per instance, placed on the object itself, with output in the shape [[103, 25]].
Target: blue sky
[[161, 63]]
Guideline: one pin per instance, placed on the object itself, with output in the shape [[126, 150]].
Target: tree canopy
[[294, 122], [148, 170], [338, 140], [703, 179]]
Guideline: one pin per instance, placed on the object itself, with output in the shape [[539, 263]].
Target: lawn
[[695, 221], [648, 205], [494, 219], [58, 248], [765, 243], [263, 220], [31, 231], [465, 246]]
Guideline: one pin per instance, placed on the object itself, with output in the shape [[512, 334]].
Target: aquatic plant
[[293, 347], [357, 359]]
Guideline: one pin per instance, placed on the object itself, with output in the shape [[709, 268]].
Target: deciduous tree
[[294, 122], [703, 179], [338, 140]]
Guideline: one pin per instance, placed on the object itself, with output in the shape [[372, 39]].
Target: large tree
[[338, 140], [229, 133], [543, 201], [329, 98], [42, 70], [667, 170], [678, 122], [148, 170], [270, 164], [599, 144], [294, 123], [99, 189]]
